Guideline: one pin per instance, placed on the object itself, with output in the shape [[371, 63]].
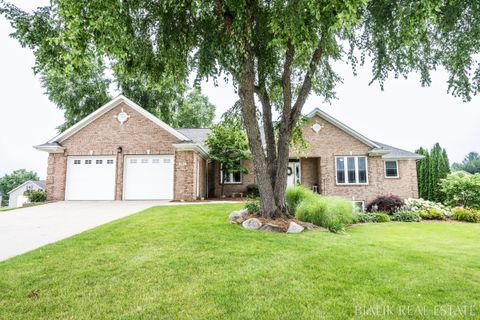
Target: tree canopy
[[471, 163], [10, 181], [81, 90], [275, 51], [227, 143]]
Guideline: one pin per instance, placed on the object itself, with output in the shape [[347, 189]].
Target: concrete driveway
[[29, 228]]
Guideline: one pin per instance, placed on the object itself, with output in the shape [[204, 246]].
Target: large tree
[[276, 51]]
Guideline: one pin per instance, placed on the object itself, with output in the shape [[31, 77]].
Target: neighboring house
[[121, 151], [17, 197]]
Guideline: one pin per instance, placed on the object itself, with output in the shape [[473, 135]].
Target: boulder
[[294, 228], [252, 224], [271, 227], [237, 217]]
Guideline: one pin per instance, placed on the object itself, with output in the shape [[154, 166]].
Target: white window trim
[[385, 170], [221, 177], [346, 171], [361, 201]]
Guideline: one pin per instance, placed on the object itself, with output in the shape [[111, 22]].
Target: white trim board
[[109, 106]]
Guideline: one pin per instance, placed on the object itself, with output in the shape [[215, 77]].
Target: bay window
[[351, 170]]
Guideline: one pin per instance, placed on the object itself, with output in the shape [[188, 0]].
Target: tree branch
[[287, 81], [307, 82], [268, 129], [227, 15]]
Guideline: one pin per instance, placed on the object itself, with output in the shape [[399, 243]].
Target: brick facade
[[317, 165], [137, 136], [196, 177]]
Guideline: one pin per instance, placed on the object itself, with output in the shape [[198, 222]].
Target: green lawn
[[187, 262]]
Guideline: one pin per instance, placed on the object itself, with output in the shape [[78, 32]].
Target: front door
[[293, 173]]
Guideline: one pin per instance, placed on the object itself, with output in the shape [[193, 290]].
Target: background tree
[[193, 111], [275, 51], [82, 90], [10, 181], [430, 171], [471, 163], [227, 143], [422, 173]]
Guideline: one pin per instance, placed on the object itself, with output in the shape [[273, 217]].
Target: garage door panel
[[90, 178], [148, 177]]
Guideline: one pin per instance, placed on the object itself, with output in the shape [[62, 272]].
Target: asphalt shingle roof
[[197, 135]]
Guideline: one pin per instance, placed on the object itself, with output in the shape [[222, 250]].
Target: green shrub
[[372, 217], [432, 214], [252, 206], [329, 212], [462, 190], [466, 214], [252, 191], [36, 196], [406, 216], [295, 195]]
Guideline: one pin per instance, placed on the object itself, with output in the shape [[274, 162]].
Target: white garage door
[[90, 178], [148, 177]]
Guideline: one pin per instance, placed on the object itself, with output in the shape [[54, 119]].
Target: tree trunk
[[271, 163]]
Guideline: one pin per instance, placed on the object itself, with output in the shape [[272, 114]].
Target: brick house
[[123, 152]]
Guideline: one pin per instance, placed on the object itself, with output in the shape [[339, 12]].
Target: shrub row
[[466, 214], [406, 216], [332, 213], [363, 217]]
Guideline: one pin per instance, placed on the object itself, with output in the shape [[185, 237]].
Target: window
[[230, 177], [391, 169], [98, 161], [110, 161], [359, 205], [351, 170], [88, 161], [76, 162]]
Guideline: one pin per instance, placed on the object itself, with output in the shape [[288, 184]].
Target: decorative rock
[[271, 227], [252, 224], [237, 217], [310, 226], [294, 228]]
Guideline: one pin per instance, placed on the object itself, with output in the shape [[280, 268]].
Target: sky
[[404, 115]]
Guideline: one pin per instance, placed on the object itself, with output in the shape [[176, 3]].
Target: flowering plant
[[422, 206]]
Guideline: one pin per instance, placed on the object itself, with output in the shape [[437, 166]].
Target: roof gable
[[343, 127], [39, 184], [109, 106]]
